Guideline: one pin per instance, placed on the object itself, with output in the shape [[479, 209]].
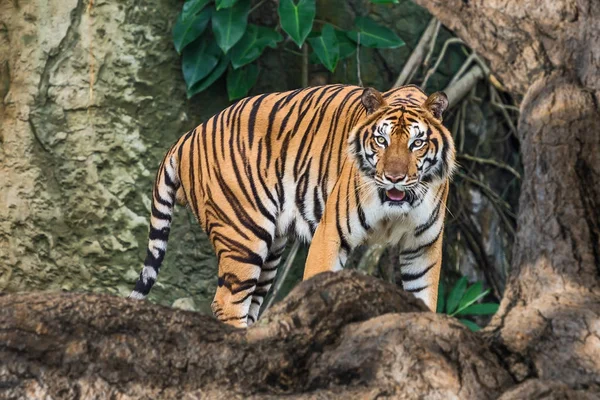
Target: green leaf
[[374, 35], [186, 30], [252, 44], [473, 294], [230, 24], [441, 298], [241, 80], [193, 7], [297, 19], [199, 59], [384, 1], [456, 294], [224, 3], [480, 309], [326, 47], [347, 46], [470, 324], [210, 79]]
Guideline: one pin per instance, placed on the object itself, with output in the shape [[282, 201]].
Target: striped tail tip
[[136, 295]]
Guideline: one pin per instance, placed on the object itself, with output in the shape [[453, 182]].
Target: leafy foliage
[[462, 301], [199, 60], [239, 81], [230, 24], [374, 35], [326, 47], [232, 42], [252, 44], [189, 26], [297, 19]]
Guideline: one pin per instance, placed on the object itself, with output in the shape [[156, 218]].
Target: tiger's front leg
[[325, 252], [334, 238], [420, 268]]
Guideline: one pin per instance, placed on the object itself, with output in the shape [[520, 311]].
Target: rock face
[[92, 98], [340, 334]]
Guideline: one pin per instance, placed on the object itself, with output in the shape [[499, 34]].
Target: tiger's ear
[[371, 99], [436, 104]]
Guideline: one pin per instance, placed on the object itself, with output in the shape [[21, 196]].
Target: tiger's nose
[[394, 178]]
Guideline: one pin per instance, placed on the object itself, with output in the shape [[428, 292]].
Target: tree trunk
[[548, 326]]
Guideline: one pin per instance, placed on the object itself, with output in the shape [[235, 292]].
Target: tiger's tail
[[163, 202]]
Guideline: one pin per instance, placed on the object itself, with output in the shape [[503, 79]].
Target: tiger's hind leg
[[267, 277], [236, 283]]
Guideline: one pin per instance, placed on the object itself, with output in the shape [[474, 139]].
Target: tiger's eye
[[380, 139], [418, 143]]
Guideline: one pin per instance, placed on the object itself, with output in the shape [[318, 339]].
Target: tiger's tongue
[[395, 194]]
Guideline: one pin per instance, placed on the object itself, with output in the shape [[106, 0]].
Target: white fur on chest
[[392, 226]]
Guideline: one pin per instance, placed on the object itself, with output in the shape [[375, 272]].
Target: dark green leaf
[[480, 309], [326, 47], [224, 3], [374, 35], [347, 46], [252, 44], [230, 24], [210, 79], [456, 294], [441, 298], [384, 1], [241, 80], [297, 19], [193, 7], [199, 59], [473, 294], [186, 30], [470, 324]]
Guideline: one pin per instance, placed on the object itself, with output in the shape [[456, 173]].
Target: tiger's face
[[403, 147]]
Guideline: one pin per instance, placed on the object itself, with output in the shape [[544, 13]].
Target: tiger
[[335, 165]]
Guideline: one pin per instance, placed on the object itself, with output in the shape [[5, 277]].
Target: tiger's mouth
[[396, 196]]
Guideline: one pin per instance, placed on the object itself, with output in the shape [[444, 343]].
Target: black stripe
[[168, 180], [161, 234], [260, 293], [232, 318], [243, 299], [162, 201], [432, 220], [251, 258], [416, 290], [242, 216], [252, 117], [317, 207], [273, 257], [418, 249], [160, 215], [361, 213], [261, 180], [407, 277], [265, 283]]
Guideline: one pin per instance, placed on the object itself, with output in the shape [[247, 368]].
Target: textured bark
[[343, 334], [548, 52]]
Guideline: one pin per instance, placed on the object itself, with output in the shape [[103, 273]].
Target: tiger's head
[[402, 147]]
